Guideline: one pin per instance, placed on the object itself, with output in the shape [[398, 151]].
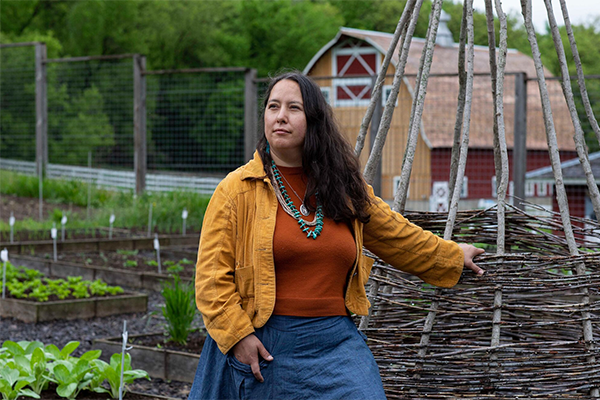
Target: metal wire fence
[[90, 110], [17, 103], [195, 121]]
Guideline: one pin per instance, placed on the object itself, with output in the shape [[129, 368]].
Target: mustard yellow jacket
[[235, 273]]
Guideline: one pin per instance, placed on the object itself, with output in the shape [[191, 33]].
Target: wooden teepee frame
[[502, 260]]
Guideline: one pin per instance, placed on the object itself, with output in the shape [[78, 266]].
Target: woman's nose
[[282, 115]]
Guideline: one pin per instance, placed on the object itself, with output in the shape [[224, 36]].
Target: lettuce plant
[[72, 376], [31, 364], [112, 373], [34, 365], [12, 384]]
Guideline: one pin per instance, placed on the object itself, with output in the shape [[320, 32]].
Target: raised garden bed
[[52, 395], [169, 362], [113, 272], [33, 311], [36, 235], [32, 297], [100, 244]]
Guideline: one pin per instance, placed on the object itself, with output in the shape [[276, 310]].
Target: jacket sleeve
[[216, 295], [410, 248]]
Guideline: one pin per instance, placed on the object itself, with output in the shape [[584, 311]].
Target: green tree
[[282, 33]]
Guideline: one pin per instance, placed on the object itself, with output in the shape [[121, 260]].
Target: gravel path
[[85, 331]]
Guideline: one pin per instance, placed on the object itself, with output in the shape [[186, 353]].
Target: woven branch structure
[[527, 328], [541, 351]]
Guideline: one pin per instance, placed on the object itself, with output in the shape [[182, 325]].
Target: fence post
[[250, 113], [375, 120], [520, 138], [139, 122], [41, 109], [41, 123]]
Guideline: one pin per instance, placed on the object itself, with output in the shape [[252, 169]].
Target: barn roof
[[442, 92], [572, 171]]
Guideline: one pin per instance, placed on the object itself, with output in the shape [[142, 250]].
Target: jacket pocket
[[364, 269], [244, 281]]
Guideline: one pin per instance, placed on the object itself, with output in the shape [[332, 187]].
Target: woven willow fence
[[528, 327], [532, 299]]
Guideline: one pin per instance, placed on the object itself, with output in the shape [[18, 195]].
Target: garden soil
[[26, 207]]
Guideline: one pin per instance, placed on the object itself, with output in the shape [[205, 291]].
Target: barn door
[[353, 64]]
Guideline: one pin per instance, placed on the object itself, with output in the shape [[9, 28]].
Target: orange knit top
[[310, 274]]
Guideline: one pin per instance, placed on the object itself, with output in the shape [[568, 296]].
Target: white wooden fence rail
[[120, 180]]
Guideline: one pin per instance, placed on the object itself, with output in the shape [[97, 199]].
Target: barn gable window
[[353, 64], [326, 90]]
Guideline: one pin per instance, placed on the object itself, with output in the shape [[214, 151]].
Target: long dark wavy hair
[[328, 160]]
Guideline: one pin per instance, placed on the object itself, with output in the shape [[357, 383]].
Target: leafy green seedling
[[55, 354], [128, 252], [34, 365], [152, 263], [72, 376], [21, 348], [112, 373], [12, 384], [130, 264]]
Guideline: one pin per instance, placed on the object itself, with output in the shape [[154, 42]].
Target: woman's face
[[285, 123]]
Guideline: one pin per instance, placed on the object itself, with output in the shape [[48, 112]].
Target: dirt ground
[[26, 207]]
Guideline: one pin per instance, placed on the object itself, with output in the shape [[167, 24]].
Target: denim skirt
[[313, 358]]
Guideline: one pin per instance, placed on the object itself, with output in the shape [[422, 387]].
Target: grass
[[131, 211]]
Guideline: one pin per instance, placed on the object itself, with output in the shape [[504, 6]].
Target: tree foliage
[[266, 35]]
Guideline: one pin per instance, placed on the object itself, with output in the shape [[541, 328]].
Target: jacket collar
[[254, 168]]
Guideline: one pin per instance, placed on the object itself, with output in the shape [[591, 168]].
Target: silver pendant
[[304, 210]]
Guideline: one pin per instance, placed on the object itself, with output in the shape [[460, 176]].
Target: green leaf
[[29, 393], [81, 368], [23, 363], [24, 381], [135, 374], [66, 390], [38, 356], [10, 375], [91, 355], [100, 389], [13, 348], [32, 346], [68, 349], [53, 351], [62, 374]]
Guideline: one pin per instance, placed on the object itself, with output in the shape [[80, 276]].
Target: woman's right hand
[[248, 351]]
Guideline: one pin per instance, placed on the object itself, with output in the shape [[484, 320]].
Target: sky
[[580, 11]]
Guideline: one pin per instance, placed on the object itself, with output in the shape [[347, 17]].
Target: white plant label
[[53, 233], [11, 221], [112, 218], [63, 220], [4, 255], [156, 244], [184, 214]]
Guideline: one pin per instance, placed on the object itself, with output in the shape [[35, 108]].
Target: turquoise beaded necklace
[[295, 213]]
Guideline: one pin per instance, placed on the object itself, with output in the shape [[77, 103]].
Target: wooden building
[[345, 69]]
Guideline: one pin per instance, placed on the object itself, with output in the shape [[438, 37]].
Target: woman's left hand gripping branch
[[470, 252]]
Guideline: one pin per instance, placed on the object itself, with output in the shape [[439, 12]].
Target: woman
[[280, 263]]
